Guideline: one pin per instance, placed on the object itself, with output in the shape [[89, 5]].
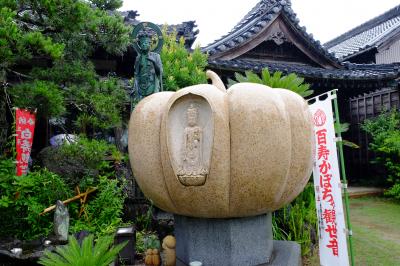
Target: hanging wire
[[11, 139], [8, 100]]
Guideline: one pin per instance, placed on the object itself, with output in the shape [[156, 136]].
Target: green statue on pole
[[147, 41]]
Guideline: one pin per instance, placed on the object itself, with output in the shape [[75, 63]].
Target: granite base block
[[224, 242], [286, 253]]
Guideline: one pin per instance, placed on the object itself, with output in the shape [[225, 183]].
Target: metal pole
[[14, 136], [344, 183]]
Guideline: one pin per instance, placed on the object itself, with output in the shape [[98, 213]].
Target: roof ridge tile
[[393, 12], [259, 15]]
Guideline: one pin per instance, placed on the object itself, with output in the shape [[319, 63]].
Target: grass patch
[[376, 232]]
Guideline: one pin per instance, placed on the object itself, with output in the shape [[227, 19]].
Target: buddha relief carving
[[192, 170]]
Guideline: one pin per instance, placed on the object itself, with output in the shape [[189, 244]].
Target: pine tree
[[62, 35]]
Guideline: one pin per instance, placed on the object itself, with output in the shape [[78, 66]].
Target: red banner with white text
[[25, 127]]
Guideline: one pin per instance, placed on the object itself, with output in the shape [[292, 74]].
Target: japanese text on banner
[[332, 229], [25, 127]]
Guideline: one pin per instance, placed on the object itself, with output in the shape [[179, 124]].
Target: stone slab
[[286, 253], [224, 242]]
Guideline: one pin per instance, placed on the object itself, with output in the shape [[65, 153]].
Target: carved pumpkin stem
[[215, 80]]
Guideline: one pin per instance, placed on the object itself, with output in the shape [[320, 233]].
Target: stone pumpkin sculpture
[[205, 151]]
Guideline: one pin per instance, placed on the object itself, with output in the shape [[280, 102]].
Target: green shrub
[[104, 210], [92, 103], [151, 241], [385, 133], [24, 197], [394, 192], [18, 44], [43, 95], [100, 253], [143, 220], [140, 247], [181, 67], [146, 240], [298, 221], [90, 152], [99, 105], [81, 160]]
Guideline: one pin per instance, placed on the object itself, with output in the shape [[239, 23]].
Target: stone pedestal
[[224, 242], [286, 253]]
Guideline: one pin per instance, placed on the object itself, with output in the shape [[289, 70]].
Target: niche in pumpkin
[[190, 138]]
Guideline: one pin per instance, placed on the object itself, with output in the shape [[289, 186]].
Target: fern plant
[[277, 80], [102, 253]]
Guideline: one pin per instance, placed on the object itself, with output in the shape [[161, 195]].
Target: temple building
[[376, 41], [270, 36], [360, 63]]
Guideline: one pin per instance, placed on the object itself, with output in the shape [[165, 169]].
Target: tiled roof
[[349, 72], [259, 17], [186, 29], [366, 36]]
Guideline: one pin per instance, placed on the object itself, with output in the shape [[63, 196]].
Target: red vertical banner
[[24, 127]]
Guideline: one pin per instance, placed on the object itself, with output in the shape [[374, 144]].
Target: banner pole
[[14, 139], [343, 170]]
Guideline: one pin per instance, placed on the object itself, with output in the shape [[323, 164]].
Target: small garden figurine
[[152, 257], [61, 221], [155, 259], [148, 258], [169, 244]]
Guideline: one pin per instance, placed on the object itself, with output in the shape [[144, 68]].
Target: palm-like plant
[[277, 80], [102, 253]]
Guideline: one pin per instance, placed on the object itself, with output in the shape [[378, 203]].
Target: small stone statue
[[148, 65], [61, 221], [192, 171], [169, 244]]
